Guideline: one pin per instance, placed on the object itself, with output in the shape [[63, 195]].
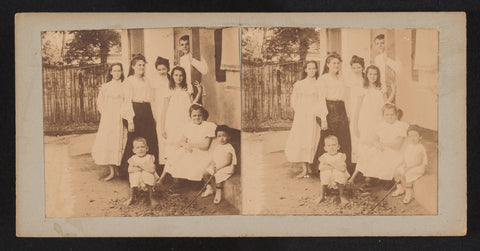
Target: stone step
[[232, 191]]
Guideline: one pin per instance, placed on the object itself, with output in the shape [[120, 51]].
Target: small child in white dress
[[415, 158], [141, 171], [221, 166], [333, 169]]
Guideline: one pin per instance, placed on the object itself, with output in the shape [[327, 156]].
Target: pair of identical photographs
[[255, 82], [231, 121]]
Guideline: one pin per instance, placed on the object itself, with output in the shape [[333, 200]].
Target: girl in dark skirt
[[137, 111], [337, 120]]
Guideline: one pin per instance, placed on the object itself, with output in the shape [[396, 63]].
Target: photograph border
[[30, 199]]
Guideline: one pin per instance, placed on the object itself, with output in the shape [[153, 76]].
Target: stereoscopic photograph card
[[201, 124]]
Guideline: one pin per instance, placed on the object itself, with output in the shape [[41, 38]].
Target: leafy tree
[[261, 45], [51, 47], [288, 44], [87, 46], [252, 43]]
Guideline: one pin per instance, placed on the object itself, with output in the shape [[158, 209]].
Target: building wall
[[222, 99], [418, 99], [355, 42], [158, 42]]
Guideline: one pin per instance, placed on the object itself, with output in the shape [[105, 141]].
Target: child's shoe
[[399, 191], [408, 196], [151, 197], [218, 196], [131, 197], [208, 191]]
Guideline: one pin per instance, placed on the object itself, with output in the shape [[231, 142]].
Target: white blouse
[[334, 87], [135, 90]]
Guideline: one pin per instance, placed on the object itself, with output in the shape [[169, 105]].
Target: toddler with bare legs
[[333, 169], [141, 171]]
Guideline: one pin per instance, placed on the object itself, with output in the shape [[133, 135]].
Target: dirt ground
[[271, 188], [75, 188]]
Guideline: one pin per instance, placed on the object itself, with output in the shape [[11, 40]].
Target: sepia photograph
[[141, 122], [339, 121], [240, 124]]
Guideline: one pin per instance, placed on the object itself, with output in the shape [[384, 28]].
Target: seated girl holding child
[[382, 155], [191, 155]]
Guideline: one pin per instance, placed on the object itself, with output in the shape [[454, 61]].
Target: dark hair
[[162, 61], [183, 84], [328, 59], [415, 128], [399, 114], [110, 68], [140, 139], [223, 128], [357, 60], [379, 37], [185, 38], [389, 106], [304, 74], [135, 59], [377, 83], [197, 107]]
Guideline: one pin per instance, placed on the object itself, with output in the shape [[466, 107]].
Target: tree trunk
[[103, 53]]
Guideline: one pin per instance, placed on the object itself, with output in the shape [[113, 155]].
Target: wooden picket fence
[[70, 94], [266, 94]]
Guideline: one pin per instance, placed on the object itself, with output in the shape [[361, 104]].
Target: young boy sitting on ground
[[141, 172], [333, 169]]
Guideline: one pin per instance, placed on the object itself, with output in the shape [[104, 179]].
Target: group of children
[[396, 152], [369, 134], [147, 124]]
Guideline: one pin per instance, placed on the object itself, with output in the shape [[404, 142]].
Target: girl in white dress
[[308, 102], [111, 136], [175, 114], [368, 112], [222, 165], [160, 83], [383, 155], [191, 155], [355, 84], [415, 158]]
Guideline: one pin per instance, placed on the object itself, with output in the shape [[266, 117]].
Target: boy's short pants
[[136, 179], [327, 176]]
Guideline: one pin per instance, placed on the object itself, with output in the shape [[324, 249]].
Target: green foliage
[[87, 46]]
